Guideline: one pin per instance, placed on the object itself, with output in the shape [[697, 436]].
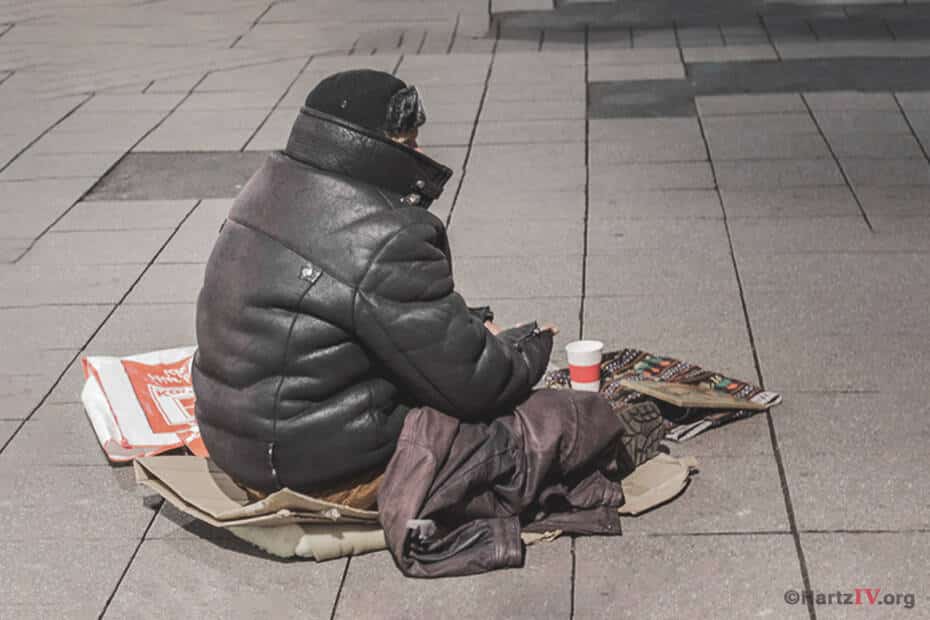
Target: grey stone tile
[[42, 502], [729, 494], [200, 577], [138, 328], [454, 112], [781, 123], [856, 488], [569, 154], [168, 283], [700, 236], [640, 130], [554, 91], [609, 582], [50, 327], [641, 177], [646, 272], [628, 72], [509, 132], [479, 202], [606, 154], [886, 172], [730, 53], [67, 284], [470, 237], [686, 203], [56, 166], [788, 235], [895, 201], [69, 388], [775, 174], [875, 146], [851, 100], [768, 146], [914, 100], [56, 435], [194, 240], [97, 247], [845, 121], [548, 177], [518, 277], [890, 562], [539, 110], [732, 105], [804, 202], [7, 428], [58, 142], [128, 215], [541, 589], [39, 583], [636, 56]]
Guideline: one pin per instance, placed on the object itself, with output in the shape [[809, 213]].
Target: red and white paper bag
[[142, 405]]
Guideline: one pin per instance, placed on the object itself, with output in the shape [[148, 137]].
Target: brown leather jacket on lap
[[456, 495]]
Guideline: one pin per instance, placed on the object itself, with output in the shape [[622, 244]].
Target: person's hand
[[493, 327], [549, 327]]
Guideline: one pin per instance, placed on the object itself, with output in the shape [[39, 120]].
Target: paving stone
[[732, 105], [886, 172], [607, 154], [67, 284], [638, 56], [823, 235], [74, 503], [768, 146], [916, 100], [802, 202], [639, 130], [831, 102], [181, 577], [625, 72], [889, 562], [610, 583], [168, 283], [112, 141], [685, 203], [781, 123], [549, 237], [540, 110], [37, 583], [194, 240], [504, 132], [124, 215], [542, 588], [838, 122], [478, 202], [137, 328], [518, 277], [97, 247], [650, 273], [730, 53], [31, 166], [700, 236], [56, 435], [875, 146], [774, 174], [641, 177], [204, 130], [50, 327], [68, 390], [556, 91]]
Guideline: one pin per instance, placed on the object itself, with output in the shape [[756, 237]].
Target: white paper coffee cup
[[584, 364]]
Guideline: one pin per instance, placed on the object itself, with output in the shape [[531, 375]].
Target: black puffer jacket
[[328, 310]]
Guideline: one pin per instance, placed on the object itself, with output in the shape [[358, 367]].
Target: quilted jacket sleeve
[[408, 314]]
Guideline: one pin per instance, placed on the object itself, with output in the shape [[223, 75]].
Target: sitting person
[[328, 308]]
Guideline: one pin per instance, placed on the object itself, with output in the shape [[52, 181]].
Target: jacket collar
[[334, 145]]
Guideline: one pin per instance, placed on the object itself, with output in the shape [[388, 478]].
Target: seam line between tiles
[[779, 462], [342, 582], [910, 126], [474, 129], [46, 131], [836, 161], [129, 563], [93, 335]]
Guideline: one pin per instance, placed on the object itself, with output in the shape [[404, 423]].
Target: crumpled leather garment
[[456, 495], [328, 310]]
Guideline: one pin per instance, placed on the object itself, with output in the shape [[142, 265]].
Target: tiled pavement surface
[[780, 236]]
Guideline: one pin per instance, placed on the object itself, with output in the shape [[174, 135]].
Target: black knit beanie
[[375, 100]]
